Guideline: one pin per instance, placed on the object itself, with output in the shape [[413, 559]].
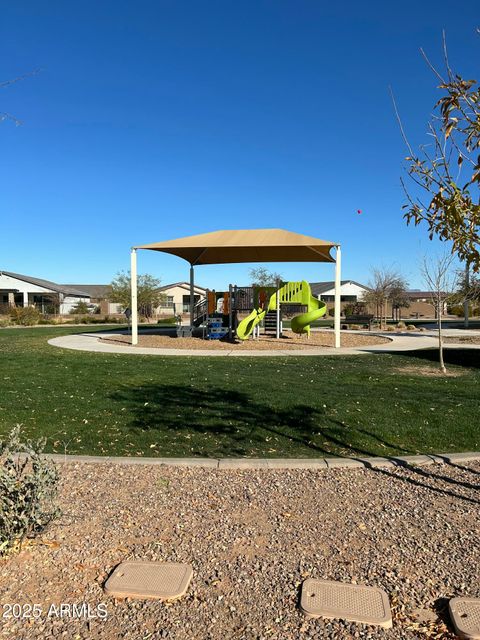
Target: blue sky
[[152, 120]]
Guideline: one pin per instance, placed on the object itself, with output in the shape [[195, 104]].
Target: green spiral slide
[[289, 293]]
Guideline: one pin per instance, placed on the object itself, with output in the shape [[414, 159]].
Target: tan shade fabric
[[246, 245]]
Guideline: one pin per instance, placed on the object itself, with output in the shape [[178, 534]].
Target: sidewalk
[[91, 342]]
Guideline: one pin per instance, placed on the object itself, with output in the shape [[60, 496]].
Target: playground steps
[[270, 322]]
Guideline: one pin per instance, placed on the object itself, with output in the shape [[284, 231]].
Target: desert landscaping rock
[[465, 614], [252, 537], [147, 580], [351, 602]]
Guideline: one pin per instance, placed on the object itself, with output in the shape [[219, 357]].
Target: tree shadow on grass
[[227, 414], [469, 358], [239, 424]]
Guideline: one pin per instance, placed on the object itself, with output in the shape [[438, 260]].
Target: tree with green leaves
[[81, 307], [444, 175], [262, 277], [148, 295]]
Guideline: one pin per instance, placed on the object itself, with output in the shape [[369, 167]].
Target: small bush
[[26, 316], [456, 310], [28, 491], [80, 307], [5, 322], [411, 327], [172, 320], [389, 327], [401, 325]]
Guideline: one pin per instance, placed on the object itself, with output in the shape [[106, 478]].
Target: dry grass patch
[[428, 372]]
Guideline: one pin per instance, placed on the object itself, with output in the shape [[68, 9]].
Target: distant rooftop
[[318, 288], [66, 289], [99, 291]]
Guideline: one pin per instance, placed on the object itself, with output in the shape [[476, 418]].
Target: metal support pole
[[338, 267], [192, 296], [466, 305], [278, 310], [133, 284], [230, 311]]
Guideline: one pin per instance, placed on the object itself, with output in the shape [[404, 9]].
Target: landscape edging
[[275, 463]]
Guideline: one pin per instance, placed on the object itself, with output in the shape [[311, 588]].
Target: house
[[99, 296], [421, 304], [177, 298], [17, 290], [350, 292]]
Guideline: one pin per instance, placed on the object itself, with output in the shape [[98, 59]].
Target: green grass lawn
[[93, 403]]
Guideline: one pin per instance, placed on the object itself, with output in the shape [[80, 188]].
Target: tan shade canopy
[[246, 245]]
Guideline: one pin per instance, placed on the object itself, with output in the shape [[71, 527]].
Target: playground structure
[[218, 313], [248, 246]]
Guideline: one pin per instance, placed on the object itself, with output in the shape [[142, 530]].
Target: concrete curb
[[277, 463]]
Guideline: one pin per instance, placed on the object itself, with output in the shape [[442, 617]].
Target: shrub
[[80, 307], [456, 310], [401, 325], [5, 322], [26, 316], [411, 327], [28, 490]]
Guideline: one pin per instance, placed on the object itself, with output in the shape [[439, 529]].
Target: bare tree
[[468, 291], [440, 281], [6, 83], [385, 285], [262, 277]]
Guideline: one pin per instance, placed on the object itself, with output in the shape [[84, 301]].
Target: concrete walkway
[[398, 342]]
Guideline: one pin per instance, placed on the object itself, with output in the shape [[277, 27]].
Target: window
[[186, 302]]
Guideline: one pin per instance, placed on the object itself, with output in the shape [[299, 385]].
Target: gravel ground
[[462, 339], [252, 538], [288, 341]]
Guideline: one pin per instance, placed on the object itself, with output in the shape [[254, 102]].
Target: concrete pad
[[242, 463], [211, 463], [467, 456], [147, 580], [297, 463], [412, 460], [352, 602], [377, 462], [465, 614], [343, 463]]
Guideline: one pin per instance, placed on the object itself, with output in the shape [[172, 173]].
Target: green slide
[[248, 324], [289, 293]]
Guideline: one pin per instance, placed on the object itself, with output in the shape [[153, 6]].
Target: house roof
[[93, 290], [47, 284], [184, 285], [420, 294], [320, 287], [246, 245]]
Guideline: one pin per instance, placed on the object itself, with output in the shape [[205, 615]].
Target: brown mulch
[[288, 341], [252, 538]]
